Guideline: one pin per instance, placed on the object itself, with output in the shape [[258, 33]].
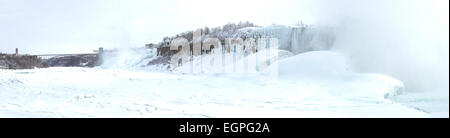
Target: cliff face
[[8, 61], [295, 39], [298, 39]]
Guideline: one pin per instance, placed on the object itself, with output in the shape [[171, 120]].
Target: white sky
[[71, 26]]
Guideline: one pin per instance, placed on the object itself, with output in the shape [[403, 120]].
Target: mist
[[406, 39]]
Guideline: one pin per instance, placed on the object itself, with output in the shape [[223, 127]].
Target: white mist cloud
[[407, 39]]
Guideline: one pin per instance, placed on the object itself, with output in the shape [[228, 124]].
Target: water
[[300, 39]]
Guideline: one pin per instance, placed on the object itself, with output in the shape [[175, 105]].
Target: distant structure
[[17, 61], [100, 56]]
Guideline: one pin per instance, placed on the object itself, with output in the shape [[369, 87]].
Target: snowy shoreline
[[97, 92]]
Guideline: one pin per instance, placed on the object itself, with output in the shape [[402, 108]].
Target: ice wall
[[299, 39]]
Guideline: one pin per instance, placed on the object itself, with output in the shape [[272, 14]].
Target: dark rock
[[9, 61]]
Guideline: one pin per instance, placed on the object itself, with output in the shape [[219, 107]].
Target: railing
[[48, 56]]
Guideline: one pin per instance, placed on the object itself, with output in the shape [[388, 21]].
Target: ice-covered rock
[[298, 39]]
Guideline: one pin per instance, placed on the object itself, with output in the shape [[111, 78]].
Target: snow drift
[[100, 92]]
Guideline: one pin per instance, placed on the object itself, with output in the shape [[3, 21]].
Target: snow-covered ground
[[313, 84]]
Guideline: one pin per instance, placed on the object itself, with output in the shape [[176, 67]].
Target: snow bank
[[316, 64], [96, 92], [332, 70], [323, 87]]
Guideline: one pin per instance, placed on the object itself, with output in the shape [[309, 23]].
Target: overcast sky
[[71, 26]]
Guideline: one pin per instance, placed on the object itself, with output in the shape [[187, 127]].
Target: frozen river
[[97, 92]]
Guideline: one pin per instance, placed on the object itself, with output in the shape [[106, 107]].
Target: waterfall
[[299, 39], [128, 58]]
